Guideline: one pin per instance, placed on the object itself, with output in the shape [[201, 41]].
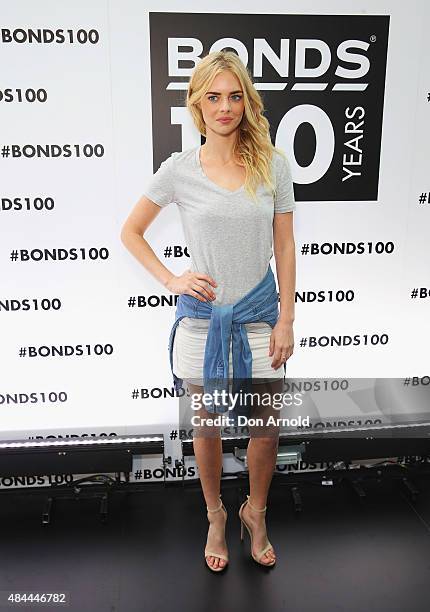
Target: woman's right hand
[[193, 283]]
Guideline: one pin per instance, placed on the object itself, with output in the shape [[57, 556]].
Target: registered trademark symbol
[[373, 38]]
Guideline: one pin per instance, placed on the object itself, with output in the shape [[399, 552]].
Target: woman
[[235, 194]]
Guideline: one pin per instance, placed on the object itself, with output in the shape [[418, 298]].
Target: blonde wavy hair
[[253, 144]]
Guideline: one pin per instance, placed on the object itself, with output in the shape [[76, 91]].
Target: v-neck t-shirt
[[228, 235]]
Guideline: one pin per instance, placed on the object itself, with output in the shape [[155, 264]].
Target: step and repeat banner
[[92, 100]]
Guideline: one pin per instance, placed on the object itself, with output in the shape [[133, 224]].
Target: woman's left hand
[[281, 343]]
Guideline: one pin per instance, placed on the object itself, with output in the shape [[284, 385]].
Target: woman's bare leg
[[261, 453], [208, 452]]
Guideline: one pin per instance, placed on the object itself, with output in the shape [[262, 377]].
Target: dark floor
[[337, 554]]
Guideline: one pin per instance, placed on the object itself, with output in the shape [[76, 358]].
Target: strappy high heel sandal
[[261, 553], [209, 553]]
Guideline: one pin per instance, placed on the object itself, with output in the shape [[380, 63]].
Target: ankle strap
[[216, 509], [255, 509]]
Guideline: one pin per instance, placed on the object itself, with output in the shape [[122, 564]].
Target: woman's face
[[223, 100]]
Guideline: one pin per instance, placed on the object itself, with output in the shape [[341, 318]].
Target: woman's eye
[[237, 96]]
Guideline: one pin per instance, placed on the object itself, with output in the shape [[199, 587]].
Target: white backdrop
[[97, 119]]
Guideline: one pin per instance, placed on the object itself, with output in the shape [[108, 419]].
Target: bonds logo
[[322, 79]]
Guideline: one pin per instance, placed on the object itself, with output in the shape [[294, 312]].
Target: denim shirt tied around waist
[[226, 322]]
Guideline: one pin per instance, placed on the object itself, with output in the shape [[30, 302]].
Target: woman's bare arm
[[132, 232], [132, 236], [285, 256]]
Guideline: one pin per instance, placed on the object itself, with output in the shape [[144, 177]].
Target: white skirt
[[189, 350]]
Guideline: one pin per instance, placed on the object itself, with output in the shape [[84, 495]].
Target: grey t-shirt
[[228, 235]]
